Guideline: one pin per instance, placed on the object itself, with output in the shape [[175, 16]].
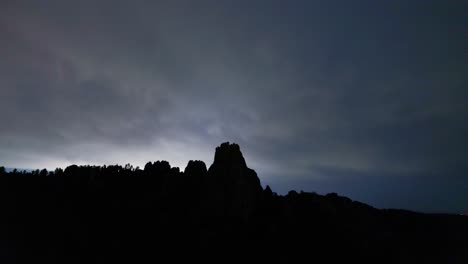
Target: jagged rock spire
[[229, 155], [234, 188]]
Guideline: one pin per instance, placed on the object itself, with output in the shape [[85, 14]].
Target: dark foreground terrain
[[112, 214]]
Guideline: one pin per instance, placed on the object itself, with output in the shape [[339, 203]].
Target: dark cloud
[[320, 96]]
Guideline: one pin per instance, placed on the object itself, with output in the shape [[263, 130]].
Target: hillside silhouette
[[109, 214]]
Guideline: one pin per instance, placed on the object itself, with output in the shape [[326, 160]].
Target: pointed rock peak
[[229, 154], [195, 167], [268, 191]]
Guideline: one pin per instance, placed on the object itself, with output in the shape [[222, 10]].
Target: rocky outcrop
[[195, 168], [194, 178], [232, 189], [158, 167]]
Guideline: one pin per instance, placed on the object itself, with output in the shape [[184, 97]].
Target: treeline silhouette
[[108, 214]]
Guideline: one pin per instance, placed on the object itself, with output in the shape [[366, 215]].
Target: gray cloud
[[320, 97]]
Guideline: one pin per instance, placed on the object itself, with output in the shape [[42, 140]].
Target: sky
[[364, 98]]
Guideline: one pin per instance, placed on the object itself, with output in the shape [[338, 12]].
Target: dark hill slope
[[89, 214]]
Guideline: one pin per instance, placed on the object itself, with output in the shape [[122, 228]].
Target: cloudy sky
[[364, 98]]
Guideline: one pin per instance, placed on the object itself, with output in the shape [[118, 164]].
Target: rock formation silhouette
[[232, 189], [109, 214]]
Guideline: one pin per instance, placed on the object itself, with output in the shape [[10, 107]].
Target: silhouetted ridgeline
[[111, 214]]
